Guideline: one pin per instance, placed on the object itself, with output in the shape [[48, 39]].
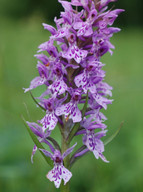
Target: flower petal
[[33, 152], [68, 151], [47, 153], [49, 121], [75, 114], [66, 175], [54, 175], [58, 86], [63, 109], [37, 81], [75, 53]]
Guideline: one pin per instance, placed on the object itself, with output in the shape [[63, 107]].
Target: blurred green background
[[20, 34]]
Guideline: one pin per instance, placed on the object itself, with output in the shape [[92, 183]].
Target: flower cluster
[[71, 70]]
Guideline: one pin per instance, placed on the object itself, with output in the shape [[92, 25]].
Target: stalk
[[65, 188], [64, 147]]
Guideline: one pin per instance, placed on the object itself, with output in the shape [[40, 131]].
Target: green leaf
[[54, 143], [73, 132], [114, 134], [36, 101], [37, 143], [73, 159]]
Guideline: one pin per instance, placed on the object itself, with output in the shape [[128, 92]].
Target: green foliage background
[[20, 34]]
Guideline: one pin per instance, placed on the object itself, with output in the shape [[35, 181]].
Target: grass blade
[[114, 134], [37, 143], [36, 101]]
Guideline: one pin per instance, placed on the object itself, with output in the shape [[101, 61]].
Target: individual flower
[[75, 53], [98, 100], [91, 139], [85, 27], [41, 134], [91, 74], [40, 80], [50, 48], [90, 123], [49, 121], [58, 86], [94, 144], [59, 172], [70, 109], [96, 115]]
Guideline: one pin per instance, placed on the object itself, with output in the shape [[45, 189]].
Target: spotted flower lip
[[75, 53], [94, 144], [59, 172], [49, 121], [70, 109]]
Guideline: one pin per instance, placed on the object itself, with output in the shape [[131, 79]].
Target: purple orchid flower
[[73, 75], [75, 53], [91, 75], [59, 172], [49, 121], [98, 99], [58, 85], [41, 134], [70, 109], [96, 115], [83, 3], [91, 139], [85, 27], [101, 43], [42, 79], [94, 144], [92, 124], [50, 48], [43, 58], [50, 28]]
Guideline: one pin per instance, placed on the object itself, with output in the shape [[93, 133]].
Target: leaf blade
[[36, 101], [37, 143], [114, 134]]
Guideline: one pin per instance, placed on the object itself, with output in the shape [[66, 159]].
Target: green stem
[[64, 188], [64, 147]]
